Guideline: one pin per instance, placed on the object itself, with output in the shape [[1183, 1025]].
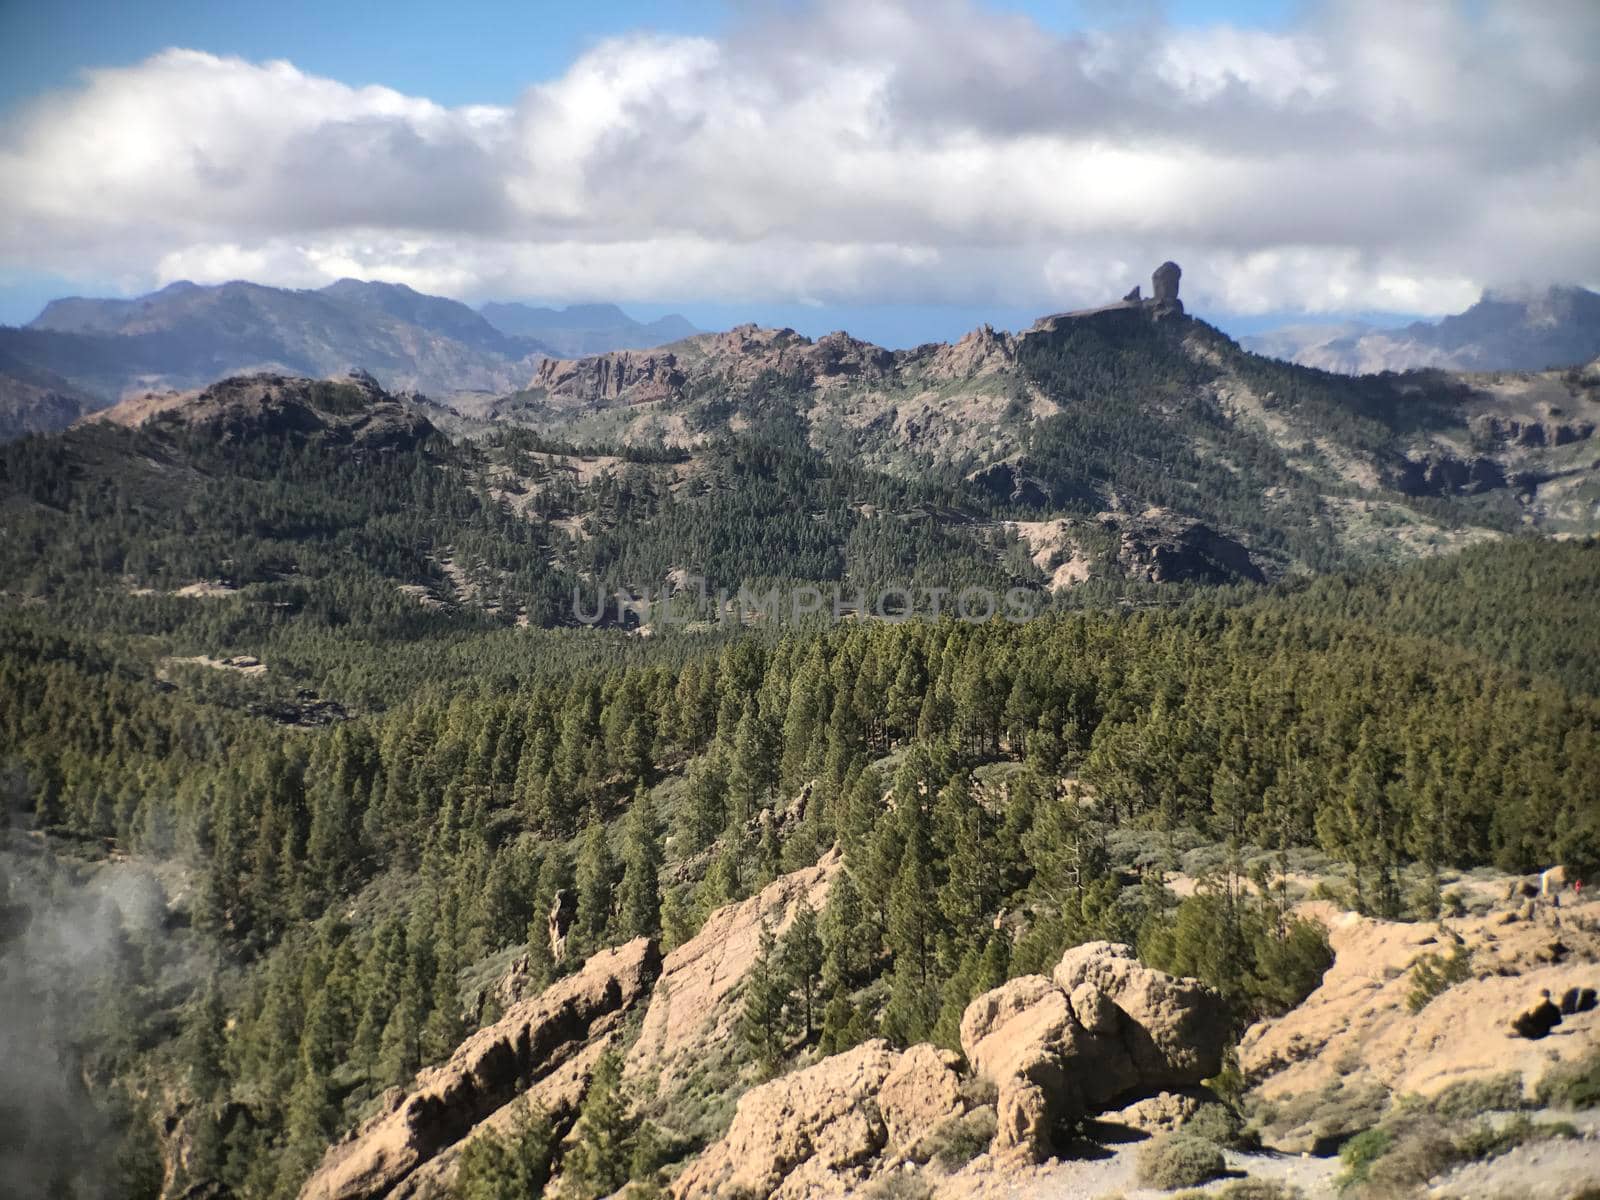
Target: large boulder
[[827, 1130], [545, 1043], [1173, 1030], [1104, 1031]]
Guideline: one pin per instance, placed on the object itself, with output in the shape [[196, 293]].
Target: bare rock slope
[[525, 1051]]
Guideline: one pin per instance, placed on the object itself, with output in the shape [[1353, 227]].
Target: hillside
[[374, 840], [1089, 419], [340, 904]]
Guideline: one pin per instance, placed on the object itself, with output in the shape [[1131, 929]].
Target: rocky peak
[[1164, 287], [355, 410]]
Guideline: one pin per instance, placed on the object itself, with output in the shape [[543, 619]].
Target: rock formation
[[354, 411], [1164, 546], [1360, 1012], [690, 1012], [1538, 1019], [1164, 287], [826, 1130], [545, 1045], [1103, 1030], [606, 377], [563, 910]]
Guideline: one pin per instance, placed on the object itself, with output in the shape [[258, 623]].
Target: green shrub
[[1472, 1097], [1572, 1085], [901, 1185], [959, 1140], [1416, 1153], [1434, 974], [1220, 1125], [1488, 1140], [1330, 1116], [1176, 1161], [1360, 1152]]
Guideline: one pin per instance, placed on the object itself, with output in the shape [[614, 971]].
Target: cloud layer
[[1374, 156]]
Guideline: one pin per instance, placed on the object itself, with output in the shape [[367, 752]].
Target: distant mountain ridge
[[1504, 331], [581, 329], [81, 354]]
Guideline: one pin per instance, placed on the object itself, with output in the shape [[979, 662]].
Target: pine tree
[[206, 1044], [800, 960], [911, 928], [513, 1165], [601, 1156], [639, 897], [751, 772], [847, 950], [761, 1015], [595, 875]]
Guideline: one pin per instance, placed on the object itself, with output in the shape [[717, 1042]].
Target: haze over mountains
[[81, 354], [1527, 330]]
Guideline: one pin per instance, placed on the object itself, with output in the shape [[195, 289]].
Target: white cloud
[[1374, 156]]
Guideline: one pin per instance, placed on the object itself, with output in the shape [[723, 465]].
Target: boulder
[[824, 1131], [536, 1041], [1537, 1020], [920, 1090], [563, 911], [1175, 1029], [1104, 1031], [1577, 1000]]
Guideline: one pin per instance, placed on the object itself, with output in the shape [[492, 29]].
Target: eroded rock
[[1104, 1031], [532, 1043], [826, 1130], [690, 1013]]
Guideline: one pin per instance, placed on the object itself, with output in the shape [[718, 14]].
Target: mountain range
[[1126, 446], [1526, 330], [82, 354]]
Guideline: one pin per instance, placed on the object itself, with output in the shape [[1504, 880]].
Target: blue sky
[[455, 53], [905, 170]]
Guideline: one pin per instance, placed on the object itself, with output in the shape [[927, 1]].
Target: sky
[[905, 169]]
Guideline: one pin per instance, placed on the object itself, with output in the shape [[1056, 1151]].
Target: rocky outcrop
[[1011, 482], [1529, 432], [980, 352], [1103, 1031], [563, 911], [354, 411], [827, 1130], [1164, 288], [606, 377], [690, 1015], [1538, 1019], [1162, 546], [1445, 475], [1362, 1010], [547, 1043]]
